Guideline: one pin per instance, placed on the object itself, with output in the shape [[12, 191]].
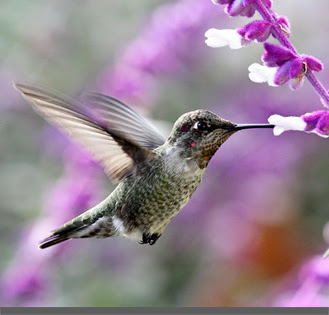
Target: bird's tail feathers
[[52, 240], [58, 237]]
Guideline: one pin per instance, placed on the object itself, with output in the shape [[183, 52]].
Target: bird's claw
[[149, 238]]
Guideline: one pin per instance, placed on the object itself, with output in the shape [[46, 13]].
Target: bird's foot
[[149, 238]]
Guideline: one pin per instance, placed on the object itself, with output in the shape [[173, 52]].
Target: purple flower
[[317, 122], [291, 67], [275, 55], [258, 31], [241, 7]]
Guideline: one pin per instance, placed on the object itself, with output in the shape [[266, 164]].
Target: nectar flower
[[283, 124], [260, 74], [220, 38], [315, 122]]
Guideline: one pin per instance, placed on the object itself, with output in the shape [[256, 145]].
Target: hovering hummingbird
[[157, 177]]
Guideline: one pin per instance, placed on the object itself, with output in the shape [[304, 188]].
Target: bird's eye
[[201, 126]]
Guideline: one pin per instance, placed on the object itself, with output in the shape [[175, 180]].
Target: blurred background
[[254, 231]]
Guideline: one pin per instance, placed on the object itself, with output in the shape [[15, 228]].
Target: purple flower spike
[[256, 31], [276, 55]]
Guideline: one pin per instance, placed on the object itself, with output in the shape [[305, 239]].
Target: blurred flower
[[220, 38], [316, 268], [163, 49], [26, 277], [312, 289]]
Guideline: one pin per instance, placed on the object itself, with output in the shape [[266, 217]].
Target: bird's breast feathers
[[178, 164]]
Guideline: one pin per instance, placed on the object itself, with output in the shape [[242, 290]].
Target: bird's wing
[[125, 120], [116, 150]]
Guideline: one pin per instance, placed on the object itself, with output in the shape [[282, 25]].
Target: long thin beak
[[251, 126]]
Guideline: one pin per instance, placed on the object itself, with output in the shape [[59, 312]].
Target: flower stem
[[269, 16]]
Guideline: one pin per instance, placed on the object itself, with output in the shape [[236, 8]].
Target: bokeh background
[[254, 231]]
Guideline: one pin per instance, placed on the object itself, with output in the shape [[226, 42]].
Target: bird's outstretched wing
[[125, 120], [116, 136]]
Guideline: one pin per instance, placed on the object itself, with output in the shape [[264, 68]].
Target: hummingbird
[[156, 176]]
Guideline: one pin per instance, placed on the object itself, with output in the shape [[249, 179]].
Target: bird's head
[[200, 133]]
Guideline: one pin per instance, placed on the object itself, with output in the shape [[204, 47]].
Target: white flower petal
[[220, 38], [277, 130], [283, 124], [259, 74]]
